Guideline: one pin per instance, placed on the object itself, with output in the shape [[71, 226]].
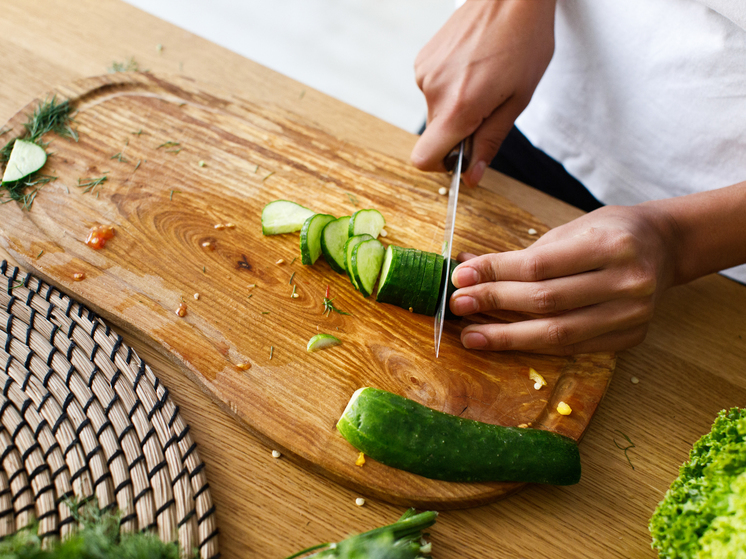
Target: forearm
[[706, 231]]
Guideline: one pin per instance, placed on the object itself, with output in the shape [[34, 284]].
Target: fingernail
[[464, 276], [464, 305], [473, 340], [478, 172]]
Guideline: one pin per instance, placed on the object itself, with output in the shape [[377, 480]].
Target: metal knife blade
[[447, 242]]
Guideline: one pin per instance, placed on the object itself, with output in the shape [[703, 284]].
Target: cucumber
[[283, 216], [333, 239], [406, 435], [450, 288], [310, 237], [366, 222], [351, 243], [367, 258], [25, 158]]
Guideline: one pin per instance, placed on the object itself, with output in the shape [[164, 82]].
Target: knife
[[456, 160]]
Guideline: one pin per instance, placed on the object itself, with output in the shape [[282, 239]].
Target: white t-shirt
[[645, 99]]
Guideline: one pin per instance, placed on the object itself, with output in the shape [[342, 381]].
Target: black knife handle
[[452, 157]]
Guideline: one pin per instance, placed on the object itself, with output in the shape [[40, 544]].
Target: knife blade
[[455, 158]]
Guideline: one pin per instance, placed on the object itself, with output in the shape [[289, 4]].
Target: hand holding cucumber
[[593, 284]]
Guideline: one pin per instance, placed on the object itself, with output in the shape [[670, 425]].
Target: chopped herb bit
[[119, 157], [625, 448], [293, 260], [159, 47], [168, 144], [39, 255], [171, 196], [129, 66], [138, 164], [256, 170], [204, 270], [244, 263], [271, 351], [291, 279], [174, 151], [138, 132], [329, 307], [88, 185], [265, 312], [293, 294], [201, 163], [352, 198], [265, 178], [250, 295]]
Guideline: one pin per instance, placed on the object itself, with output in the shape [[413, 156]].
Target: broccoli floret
[[703, 514]]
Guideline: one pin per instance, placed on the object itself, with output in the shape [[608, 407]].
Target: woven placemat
[[81, 415]]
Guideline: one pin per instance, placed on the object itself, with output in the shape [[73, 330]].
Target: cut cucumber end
[[333, 239], [350, 245], [310, 237], [367, 258], [25, 158], [322, 341]]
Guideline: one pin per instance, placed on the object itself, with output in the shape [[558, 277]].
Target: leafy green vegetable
[[400, 540], [97, 538], [703, 514]]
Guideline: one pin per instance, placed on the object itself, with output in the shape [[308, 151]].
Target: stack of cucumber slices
[[406, 277]]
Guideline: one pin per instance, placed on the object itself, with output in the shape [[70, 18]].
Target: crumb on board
[[383, 233], [564, 409], [276, 454], [360, 459], [634, 380], [360, 501], [196, 296], [280, 262], [442, 191], [78, 276], [532, 231], [245, 366], [537, 378]]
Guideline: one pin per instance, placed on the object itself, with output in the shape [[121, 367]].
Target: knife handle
[[452, 157]]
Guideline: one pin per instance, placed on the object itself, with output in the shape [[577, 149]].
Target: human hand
[[592, 283], [478, 73]]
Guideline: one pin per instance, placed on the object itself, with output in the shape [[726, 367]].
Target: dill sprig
[[625, 449], [330, 308], [130, 65], [88, 185], [50, 115]]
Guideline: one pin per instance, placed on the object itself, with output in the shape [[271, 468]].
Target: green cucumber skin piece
[[349, 245], [310, 237], [270, 228], [361, 260], [408, 436], [331, 248], [391, 291]]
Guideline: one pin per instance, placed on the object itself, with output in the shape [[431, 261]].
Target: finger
[[488, 138], [437, 140], [557, 333], [613, 341], [561, 258], [548, 296]]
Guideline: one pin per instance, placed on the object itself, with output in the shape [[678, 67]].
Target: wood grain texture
[[179, 158]]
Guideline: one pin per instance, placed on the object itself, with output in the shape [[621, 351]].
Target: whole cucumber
[[406, 435]]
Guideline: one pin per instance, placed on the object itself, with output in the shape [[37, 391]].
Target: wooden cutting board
[[180, 158]]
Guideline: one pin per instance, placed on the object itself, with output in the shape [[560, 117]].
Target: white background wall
[[359, 51]]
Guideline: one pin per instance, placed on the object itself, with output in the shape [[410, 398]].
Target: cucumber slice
[[310, 237], [409, 436], [25, 158], [423, 295], [351, 243], [412, 280], [283, 216], [366, 221], [322, 341], [432, 305], [333, 239], [389, 268], [367, 258]]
